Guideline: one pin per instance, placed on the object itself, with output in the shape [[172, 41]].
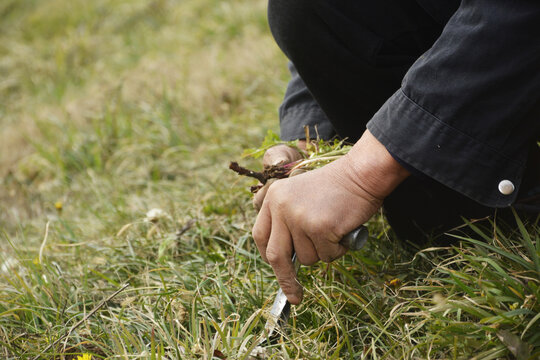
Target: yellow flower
[[58, 205], [395, 283], [85, 357]]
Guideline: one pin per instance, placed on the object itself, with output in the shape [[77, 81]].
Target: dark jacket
[[468, 111]]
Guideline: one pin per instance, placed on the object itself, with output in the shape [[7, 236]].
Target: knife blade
[[281, 308]]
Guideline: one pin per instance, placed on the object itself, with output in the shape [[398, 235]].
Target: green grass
[[113, 108]]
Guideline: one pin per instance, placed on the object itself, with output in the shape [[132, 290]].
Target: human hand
[[310, 213], [274, 156]]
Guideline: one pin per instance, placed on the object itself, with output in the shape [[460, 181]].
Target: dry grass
[[111, 108]]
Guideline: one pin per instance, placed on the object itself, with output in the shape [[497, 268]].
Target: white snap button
[[506, 187]]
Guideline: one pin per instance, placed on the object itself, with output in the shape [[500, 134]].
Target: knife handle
[[356, 239]]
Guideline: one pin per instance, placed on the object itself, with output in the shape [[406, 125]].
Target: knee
[[289, 22]]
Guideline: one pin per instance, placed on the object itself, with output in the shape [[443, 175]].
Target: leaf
[[527, 241], [517, 347], [270, 140]]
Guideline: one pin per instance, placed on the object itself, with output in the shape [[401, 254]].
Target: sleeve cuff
[[445, 154]]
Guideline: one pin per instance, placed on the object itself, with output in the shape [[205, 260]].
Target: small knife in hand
[[281, 309]]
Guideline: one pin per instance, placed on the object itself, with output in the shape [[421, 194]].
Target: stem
[[316, 160], [94, 310], [246, 172]]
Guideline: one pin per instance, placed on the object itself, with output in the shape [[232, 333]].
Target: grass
[[111, 108]]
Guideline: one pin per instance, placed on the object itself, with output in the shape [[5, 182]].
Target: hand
[[310, 213], [276, 155]]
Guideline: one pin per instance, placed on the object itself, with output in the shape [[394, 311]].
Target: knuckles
[[257, 234], [273, 257], [276, 194]]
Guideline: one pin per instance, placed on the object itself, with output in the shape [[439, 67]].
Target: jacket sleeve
[[299, 109], [468, 111]]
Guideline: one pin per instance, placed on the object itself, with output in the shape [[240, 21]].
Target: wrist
[[372, 168]]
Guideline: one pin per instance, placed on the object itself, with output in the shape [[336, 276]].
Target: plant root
[[246, 172], [272, 172]]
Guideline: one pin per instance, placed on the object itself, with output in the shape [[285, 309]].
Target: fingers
[[279, 253], [329, 251], [303, 246], [259, 196], [274, 156], [275, 246], [280, 155], [261, 230]]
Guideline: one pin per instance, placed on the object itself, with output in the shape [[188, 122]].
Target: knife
[[281, 308]]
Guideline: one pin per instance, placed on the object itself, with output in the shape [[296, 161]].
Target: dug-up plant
[[317, 153]]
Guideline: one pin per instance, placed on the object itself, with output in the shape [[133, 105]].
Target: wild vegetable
[[318, 153]]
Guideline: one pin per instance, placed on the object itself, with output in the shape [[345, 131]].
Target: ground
[[119, 119]]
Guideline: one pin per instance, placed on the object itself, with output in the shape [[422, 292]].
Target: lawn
[[123, 235]]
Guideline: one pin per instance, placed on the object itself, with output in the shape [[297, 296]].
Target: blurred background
[[114, 104], [109, 109]]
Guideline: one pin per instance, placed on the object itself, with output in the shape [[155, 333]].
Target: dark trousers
[[352, 56]]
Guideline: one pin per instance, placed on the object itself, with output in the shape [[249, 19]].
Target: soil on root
[[271, 172]]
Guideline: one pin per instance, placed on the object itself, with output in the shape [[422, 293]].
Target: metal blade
[[281, 308], [277, 318], [279, 313]]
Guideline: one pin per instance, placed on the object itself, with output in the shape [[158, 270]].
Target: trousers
[[348, 58]]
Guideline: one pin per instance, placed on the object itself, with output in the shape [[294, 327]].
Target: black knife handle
[[356, 239]]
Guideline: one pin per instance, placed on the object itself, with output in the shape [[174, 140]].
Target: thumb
[[280, 155]]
